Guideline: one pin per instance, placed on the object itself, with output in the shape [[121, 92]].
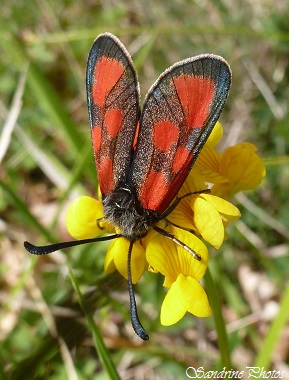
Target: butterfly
[[143, 156]]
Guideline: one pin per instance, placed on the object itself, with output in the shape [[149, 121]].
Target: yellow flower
[[202, 214], [243, 168], [182, 275]]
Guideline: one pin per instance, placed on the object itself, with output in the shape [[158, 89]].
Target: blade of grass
[[53, 168], [12, 115], [97, 338], [214, 299]]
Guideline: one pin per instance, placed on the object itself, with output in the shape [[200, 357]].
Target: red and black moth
[[143, 157]]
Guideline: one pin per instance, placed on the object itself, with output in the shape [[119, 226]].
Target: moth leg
[[178, 199], [180, 227], [179, 242], [98, 221]]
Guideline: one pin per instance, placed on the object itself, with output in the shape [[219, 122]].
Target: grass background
[[47, 160]]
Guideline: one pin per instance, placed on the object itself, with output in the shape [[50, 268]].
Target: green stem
[[97, 338], [214, 299]]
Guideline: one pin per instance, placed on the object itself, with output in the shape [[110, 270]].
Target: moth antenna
[[40, 250], [177, 241], [137, 326]]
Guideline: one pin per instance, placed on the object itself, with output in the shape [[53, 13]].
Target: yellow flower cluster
[[203, 215]]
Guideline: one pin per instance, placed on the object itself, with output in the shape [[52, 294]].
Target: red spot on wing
[[107, 72], [196, 95], [105, 175], [153, 190], [96, 138], [180, 158], [113, 120], [165, 135]]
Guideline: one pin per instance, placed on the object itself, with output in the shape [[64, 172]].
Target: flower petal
[[109, 265], [182, 215], [243, 167], [208, 165], [160, 256], [116, 258], [194, 182], [225, 208], [82, 216], [216, 135], [172, 309], [186, 294], [170, 259], [208, 221]]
